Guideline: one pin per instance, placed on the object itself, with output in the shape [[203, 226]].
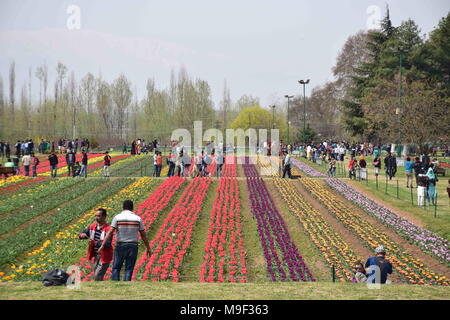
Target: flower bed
[[428, 241], [281, 254], [173, 239], [307, 169], [12, 180], [412, 270], [333, 248], [224, 249], [64, 248], [71, 190], [24, 182]]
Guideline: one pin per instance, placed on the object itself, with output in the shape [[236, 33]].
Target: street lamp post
[[304, 83], [288, 119], [273, 117]]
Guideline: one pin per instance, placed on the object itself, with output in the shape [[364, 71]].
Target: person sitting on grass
[[359, 275], [380, 267]]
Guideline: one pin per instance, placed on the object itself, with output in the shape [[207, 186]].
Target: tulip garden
[[214, 229]]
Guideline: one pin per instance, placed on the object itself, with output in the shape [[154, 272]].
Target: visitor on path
[[70, 161], [198, 165], [432, 179], [53, 159], [220, 162], [417, 167], [26, 160], [409, 165], [107, 164], [422, 183], [359, 275], [155, 164], [381, 266], [124, 148], [84, 164], [128, 226], [16, 165], [287, 165], [171, 163], [206, 161], [390, 165], [7, 150], [34, 162], [351, 168], [363, 167], [331, 166], [425, 162], [377, 165], [96, 233], [159, 163], [186, 165]]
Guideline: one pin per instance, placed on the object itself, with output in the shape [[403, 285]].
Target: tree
[[104, 107], [2, 110], [121, 96], [423, 118], [61, 70], [246, 101], [87, 99], [258, 118], [306, 135], [12, 88]]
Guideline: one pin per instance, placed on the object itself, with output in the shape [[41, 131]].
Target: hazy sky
[[259, 47]]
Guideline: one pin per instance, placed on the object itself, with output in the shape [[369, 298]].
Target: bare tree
[[88, 94], [12, 87], [121, 96], [104, 106], [61, 70]]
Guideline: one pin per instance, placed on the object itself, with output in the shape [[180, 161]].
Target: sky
[[258, 47]]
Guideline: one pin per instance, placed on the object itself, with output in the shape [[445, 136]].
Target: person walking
[[332, 166], [417, 166], [159, 163], [287, 165], [363, 167], [84, 164], [34, 162], [127, 226], [351, 168], [171, 163], [70, 162], [431, 190], [422, 183], [155, 164], [53, 159], [26, 160], [377, 165], [107, 164], [390, 164], [16, 165], [219, 164], [409, 165], [382, 267], [7, 150], [96, 233]]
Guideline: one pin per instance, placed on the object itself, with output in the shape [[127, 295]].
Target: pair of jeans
[[54, 169], [69, 169], [27, 170], [83, 171], [34, 171], [287, 168], [124, 252]]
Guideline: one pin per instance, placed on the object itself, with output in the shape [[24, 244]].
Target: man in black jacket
[[53, 159], [70, 161], [84, 164]]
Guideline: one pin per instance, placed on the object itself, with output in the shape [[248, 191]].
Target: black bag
[[55, 277]]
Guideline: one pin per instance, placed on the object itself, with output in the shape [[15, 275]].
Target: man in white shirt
[[287, 165], [128, 226], [26, 160]]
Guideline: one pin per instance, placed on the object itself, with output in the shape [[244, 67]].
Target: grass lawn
[[219, 291]]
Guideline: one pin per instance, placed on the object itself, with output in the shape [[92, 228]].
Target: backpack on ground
[[55, 277]]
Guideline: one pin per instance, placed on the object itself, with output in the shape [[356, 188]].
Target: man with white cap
[[379, 260]]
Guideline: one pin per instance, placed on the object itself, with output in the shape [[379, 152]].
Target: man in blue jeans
[[128, 226]]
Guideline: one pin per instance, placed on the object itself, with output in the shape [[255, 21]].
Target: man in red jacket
[[96, 233], [107, 160]]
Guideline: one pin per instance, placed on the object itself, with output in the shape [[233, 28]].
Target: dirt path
[[416, 252], [411, 218]]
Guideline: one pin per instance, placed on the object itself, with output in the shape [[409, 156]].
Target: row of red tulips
[[224, 249], [173, 239]]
